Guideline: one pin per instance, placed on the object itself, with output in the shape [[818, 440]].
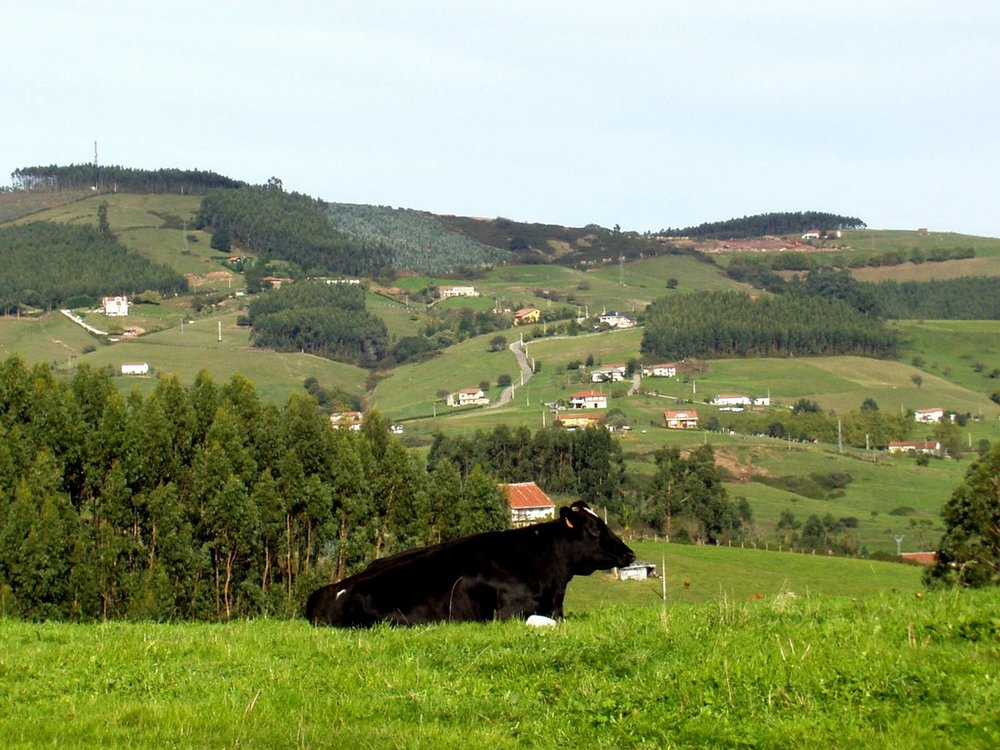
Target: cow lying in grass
[[493, 576]]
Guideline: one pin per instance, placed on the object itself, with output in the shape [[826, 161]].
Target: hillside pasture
[[965, 352], [22, 204]]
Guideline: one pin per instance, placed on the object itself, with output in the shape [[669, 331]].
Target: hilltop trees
[[290, 226]]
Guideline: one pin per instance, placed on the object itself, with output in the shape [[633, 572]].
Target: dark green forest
[[733, 324], [290, 226], [761, 225], [325, 319], [120, 179], [45, 264], [201, 502]]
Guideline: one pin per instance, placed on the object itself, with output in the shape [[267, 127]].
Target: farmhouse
[[527, 315], [731, 399], [681, 419], [812, 234], [928, 447], [588, 400], [115, 307], [579, 421], [608, 374], [616, 320], [457, 291], [527, 503], [667, 370], [347, 420], [468, 397], [135, 368], [929, 416]]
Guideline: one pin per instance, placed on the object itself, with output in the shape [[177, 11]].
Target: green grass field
[[802, 671]]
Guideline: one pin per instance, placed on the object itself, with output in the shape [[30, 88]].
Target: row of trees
[[731, 324], [761, 225], [201, 502], [685, 498], [964, 298], [290, 226], [122, 179], [47, 264], [325, 319]]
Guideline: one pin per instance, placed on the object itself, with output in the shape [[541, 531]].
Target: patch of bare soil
[[735, 468]]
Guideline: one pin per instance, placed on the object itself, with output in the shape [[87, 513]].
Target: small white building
[[666, 370], [135, 368], [588, 400], [929, 416], [457, 291], [616, 320], [468, 397], [731, 399], [115, 307], [608, 374], [928, 447]]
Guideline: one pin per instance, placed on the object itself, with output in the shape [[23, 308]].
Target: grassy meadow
[[790, 671]]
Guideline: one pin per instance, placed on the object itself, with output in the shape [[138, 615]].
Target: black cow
[[491, 576]]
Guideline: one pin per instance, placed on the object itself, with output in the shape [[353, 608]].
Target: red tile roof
[[523, 495]]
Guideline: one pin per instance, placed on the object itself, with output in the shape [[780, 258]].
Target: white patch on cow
[[591, 512], [540, 621], [341, 593]]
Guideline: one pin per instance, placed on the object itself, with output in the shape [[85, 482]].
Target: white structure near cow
[[929, 416], [135, 368], [115, 307], [588, 400], [637, 571], [468, 397]]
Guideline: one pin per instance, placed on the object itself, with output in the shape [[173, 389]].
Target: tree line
[[290, 226], [47, 264], [325, 319], [733, 324], [119, 179], [201, 502], [761, 225], [684, 499]]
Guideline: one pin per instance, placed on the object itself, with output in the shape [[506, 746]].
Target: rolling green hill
[[953, 360]]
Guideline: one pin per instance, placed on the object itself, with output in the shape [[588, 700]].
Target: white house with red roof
[[527, 503], [929, 447], [681, 419], [588, 400]]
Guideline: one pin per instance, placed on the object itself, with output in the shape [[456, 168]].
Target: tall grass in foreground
[[901, 671]]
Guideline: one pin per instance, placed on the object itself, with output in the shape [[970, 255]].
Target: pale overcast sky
[[643, 114]]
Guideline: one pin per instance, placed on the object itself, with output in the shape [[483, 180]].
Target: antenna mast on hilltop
[[95, 165]]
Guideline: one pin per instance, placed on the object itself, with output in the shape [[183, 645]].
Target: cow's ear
[[567, 516]]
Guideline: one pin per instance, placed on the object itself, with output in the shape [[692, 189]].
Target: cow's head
[[595, 546]]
